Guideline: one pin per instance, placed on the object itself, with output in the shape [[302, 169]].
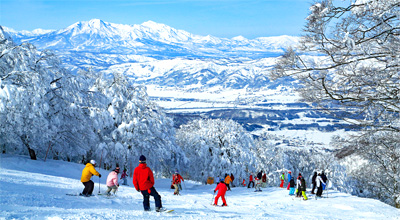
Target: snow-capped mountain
[[155, 53]]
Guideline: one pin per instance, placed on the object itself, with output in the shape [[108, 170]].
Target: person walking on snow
[[289, 178], [298, 186], [221, 188], [143, 180], [292, 185], [87, 174], [303, 188], [319, 185], [282, 177], [233, 179], [228, 180], [325, 179], [314, 183], [250, 181], [124, 177], [112, 181], [258, 181], [176, 181]]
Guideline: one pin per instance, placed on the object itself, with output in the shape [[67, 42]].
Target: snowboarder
[[313, 181], [124, 177], [221, 188], [112, 181], [303, 188], [176, 181], [87, 173], [319, 185], [228, 180], [264, 180], [143, 180], [292, 185], [282, 177], [289, 178], [250, 181]]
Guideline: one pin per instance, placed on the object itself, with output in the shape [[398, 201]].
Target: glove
[[138, 190], [215, 191], [118, 185], [99, 175]]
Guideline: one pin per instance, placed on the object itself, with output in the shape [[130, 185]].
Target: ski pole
[[212, 199], [99, 185]]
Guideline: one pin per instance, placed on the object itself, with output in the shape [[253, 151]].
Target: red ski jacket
[[143, 178], [251, 178], [176, 178], [221, 187]]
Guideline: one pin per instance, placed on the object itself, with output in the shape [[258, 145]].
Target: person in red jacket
[[143, 180], [176, 181], [221, 188], [250, 181]]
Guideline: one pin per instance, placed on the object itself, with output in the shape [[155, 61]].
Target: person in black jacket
[[292, 186], [303, 188], [314, 183], [325, 179]]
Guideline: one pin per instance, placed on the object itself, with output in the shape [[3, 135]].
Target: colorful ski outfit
[[112, 181], [87, 173], [292, 185], [176, 181], [250, 181], [289, 178], [227, 181], [303, 188], [143, 180], [282, 180], [221, 188]]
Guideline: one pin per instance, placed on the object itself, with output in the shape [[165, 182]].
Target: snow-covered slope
[[36, 190]]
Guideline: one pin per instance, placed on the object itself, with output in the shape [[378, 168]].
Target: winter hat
[[93, 162], [176, 171], [290, 171], [117, 170], [142, 159]]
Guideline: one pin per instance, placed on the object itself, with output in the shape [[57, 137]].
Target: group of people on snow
[[143, 181]]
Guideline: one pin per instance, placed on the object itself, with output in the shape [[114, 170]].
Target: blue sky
[[221, 18]]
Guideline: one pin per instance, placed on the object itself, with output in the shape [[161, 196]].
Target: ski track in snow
[[37, 190]]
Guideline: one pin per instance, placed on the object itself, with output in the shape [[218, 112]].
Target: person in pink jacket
[[112, 181]]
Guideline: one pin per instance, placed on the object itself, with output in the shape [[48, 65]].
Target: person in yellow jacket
[[228, 180], [87, 173]]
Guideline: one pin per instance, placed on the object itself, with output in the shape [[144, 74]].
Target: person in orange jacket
[[221, 188], [87, 174], [227, 181]]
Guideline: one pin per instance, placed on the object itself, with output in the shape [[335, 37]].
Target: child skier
[[112, 181], [124, 177], [303, 188], [221, 188]]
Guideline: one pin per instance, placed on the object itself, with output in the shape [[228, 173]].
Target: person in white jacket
[[319, 185], [112, 181]]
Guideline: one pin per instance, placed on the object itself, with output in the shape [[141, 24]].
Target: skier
[[282, 180], [313, 181], [298, 185], [124, 177], [258, 181], [176, 181], [303, 188], [112, 181], [87, 173], [325, 179], [228, 180], [264, 180], [244, 182], [143, 180], [289, 178], [319, 185], [250, 181], [221, 188], [292, 186]]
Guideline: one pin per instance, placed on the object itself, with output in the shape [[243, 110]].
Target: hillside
[[36, 190]]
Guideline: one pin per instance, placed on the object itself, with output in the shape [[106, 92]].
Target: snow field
[[37, 190]]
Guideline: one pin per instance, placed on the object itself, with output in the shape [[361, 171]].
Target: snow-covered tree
[[216, 147], [355, 67]]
